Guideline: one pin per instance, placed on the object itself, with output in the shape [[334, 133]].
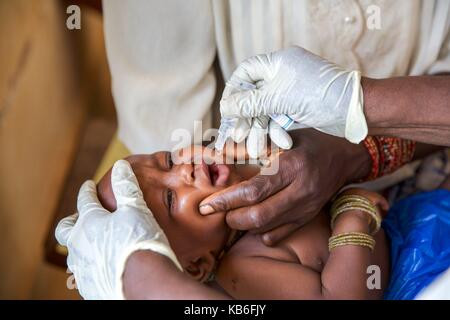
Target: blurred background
[[57, 119]]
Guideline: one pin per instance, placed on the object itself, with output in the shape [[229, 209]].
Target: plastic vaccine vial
[[283, 120], [225, 130], [227, 124]]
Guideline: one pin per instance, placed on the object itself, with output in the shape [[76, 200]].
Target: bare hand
[[309, 175]]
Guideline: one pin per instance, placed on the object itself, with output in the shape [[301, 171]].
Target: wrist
[[358, 162], [373, 117], [352, 221], [377, 115]]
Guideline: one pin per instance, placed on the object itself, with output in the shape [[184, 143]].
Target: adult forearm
[[435, 136], [416, 108], [149, 275]]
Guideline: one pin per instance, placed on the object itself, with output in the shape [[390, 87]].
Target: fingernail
[[265, 162], [206, 209]]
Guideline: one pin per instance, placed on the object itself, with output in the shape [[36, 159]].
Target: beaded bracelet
[[387, 154], [372, 147]]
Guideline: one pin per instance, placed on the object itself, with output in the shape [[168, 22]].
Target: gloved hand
[[312, 91], [254, 129], [99, 242]]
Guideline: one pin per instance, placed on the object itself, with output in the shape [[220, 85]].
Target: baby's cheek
[[194, 198], [215, 224], [189, 215]]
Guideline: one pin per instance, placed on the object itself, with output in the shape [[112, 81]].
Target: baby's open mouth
[[217, 173]]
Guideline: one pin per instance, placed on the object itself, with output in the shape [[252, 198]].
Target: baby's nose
[[186, 171]]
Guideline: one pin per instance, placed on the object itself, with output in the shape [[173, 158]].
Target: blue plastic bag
[[419, 231]]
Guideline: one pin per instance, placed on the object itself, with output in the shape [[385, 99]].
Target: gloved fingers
[[251, 71], [235, 85], [87, 198], [257, 138], [64, 229], [242, 94], [126, 187], [279, 136], [241, 130], [244, 104], [228, 90]]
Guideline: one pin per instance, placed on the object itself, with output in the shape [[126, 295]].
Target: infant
[[299, 267]]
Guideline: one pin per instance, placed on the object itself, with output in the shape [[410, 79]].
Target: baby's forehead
[[150, 160], [145, 167], [155, 160], [148, 167]]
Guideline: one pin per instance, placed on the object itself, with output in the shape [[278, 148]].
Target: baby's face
[[173, 193]]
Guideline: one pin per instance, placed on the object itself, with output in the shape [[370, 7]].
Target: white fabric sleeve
[[433, 42], [442, 65], [160, 55]]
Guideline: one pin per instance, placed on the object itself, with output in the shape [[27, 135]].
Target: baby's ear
[[201, 267]]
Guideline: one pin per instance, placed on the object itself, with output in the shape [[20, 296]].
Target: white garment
[[161, 52]]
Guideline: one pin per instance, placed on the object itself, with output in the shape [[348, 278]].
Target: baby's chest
[[309, 249]]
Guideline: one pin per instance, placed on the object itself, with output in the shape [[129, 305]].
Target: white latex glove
[[312, 91], [99, 242], [254, 129]]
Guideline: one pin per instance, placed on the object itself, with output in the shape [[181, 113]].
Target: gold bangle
[[355, 202], [368, 245], [351, 238], [375, 221], [350, 197], [351, 235]]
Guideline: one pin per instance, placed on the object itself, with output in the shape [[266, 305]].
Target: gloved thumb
[[126, 187], [87, 198], [64, 228]]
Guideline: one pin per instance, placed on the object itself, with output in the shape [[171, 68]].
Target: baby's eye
[[169, 160]]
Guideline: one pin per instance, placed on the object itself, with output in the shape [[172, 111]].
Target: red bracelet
[[388, 154], [371, 145]]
